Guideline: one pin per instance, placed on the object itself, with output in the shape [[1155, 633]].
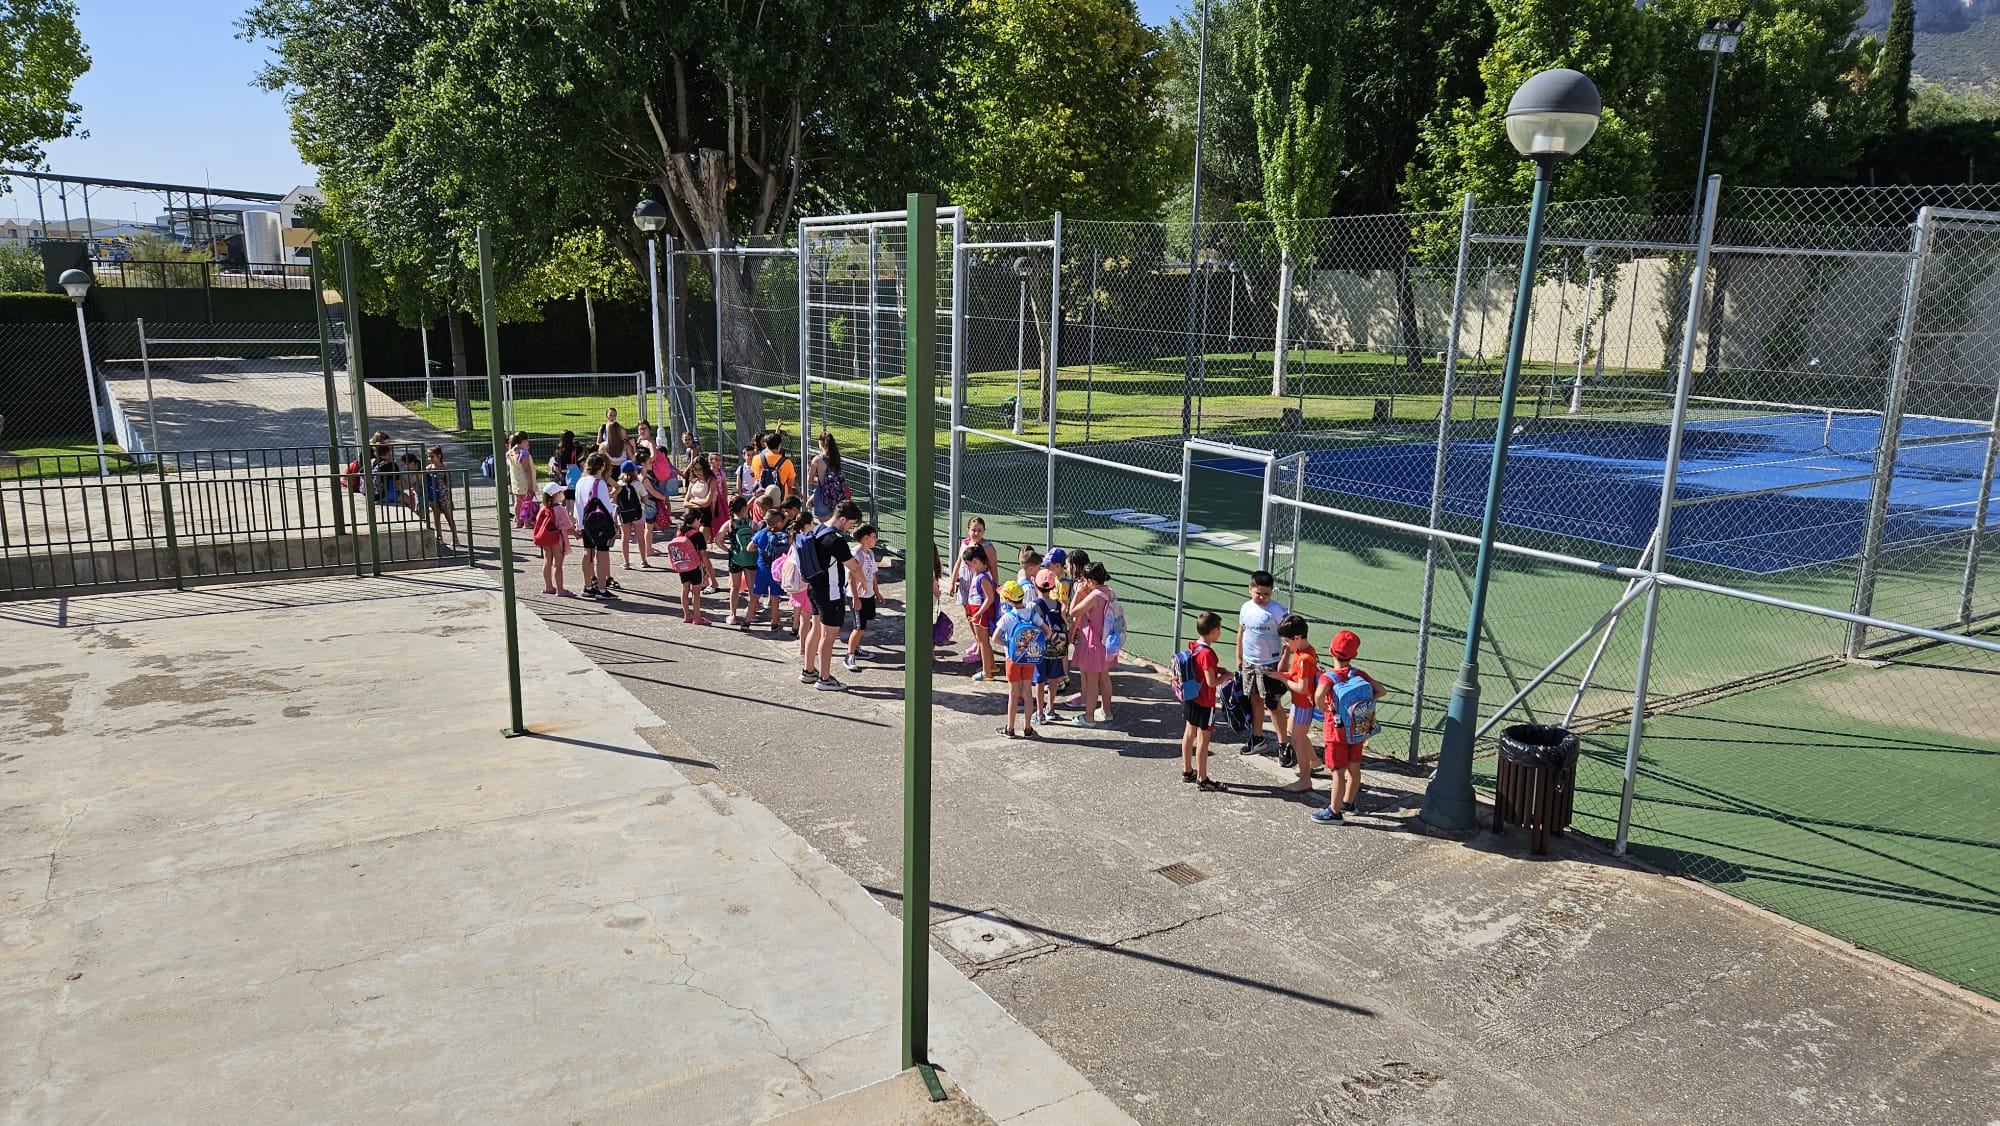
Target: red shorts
[[1341, 754], [1020, 674]]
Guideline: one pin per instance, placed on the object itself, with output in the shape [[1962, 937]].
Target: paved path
[[264, 857], [1309, 975]]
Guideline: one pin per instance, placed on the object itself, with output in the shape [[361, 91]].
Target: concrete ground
[[265, 857], [1288, 972]]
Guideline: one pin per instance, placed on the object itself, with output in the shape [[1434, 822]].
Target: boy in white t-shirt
[[863, 594], [1258, 649]]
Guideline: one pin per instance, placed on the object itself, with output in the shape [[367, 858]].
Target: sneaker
[[1288, 757], [590, 592], [858, 655], [628, 564], [850, 665], [807, 676], [1255, 746], [1328, 816], [1086, 721], [607, 592], [828, 684], [979, 675], [1053, 717], [1348, 807], [731, 620]]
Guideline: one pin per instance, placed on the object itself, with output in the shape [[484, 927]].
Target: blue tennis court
[[1598, 478]]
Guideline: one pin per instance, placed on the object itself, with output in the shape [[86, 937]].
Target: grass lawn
[[64, 457]]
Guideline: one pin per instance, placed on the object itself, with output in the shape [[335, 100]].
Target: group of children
[[421, 487], [1278, 671]]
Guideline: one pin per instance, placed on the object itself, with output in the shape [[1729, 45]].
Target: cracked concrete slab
[[362, 904]]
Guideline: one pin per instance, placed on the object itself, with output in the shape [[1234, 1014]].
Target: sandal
[[1030, 733], [1187, 775], [1007, 731]]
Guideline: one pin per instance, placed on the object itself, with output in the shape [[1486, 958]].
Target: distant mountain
[[1933, 15], [1960, 60]]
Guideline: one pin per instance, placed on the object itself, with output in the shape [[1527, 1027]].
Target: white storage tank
[[263, 242]]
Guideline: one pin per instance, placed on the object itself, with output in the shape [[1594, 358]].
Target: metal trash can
[[1010, 413], [1535, 786], [1381, 411]]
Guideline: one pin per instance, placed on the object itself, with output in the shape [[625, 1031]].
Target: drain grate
[[1182, 874]]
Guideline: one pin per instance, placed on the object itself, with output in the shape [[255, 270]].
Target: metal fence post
[[173, 537], [955, 458], [332, 397], [1298, 494], [1891, 434], [152, 411], [805, 342], [1180, 544], [1438, 463], [1090, 352], [489, 322], [874, 404], [920, 465], [1661, 531], [1965, 589], [715, 291], [1054, 363], [358, 387]]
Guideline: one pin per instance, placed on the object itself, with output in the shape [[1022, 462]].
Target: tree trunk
[[461, 384], [747, 354], [1718, 301], [1406, 316], [590, 319]]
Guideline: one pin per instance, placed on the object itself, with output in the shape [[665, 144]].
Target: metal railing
[[184, 273], [158, 527]]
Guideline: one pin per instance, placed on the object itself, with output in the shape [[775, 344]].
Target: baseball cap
[[1010, 591], [553, 488], [630, 466], [1056, 557], [1344, 645], [1045, 579]]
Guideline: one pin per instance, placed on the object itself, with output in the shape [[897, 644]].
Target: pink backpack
[[682, 556]]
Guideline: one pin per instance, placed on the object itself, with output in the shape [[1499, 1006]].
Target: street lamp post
[[651, 218], [1551, 117], [1719, 37], [77, 284]]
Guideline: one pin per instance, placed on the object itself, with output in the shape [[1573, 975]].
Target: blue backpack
[[1353, 707], [806, 553], [1028, 640], [1187, 675]]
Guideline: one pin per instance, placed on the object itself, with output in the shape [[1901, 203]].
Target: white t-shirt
[[1259, 628], [866, 587], [587, 487]]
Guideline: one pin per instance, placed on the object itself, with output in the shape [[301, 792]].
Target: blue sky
[[168, 98]]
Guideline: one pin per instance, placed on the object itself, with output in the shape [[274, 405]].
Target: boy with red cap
[[1350, 719]]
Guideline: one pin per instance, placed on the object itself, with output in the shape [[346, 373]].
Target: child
[[1257, 651], [1299, 669], [800, 599], [773, 543], [437, 494], [409, 484], [1054, 665], [684, 555], [631, 504], [982, 606], [1348, 725], [1031, 564], [520, 479], [741, 536], [1200, 711], [1017, 635], [863, 592], [746, 476], [552, 536]]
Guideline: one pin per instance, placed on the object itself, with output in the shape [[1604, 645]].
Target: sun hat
[[1344, 645], [1010, 591]]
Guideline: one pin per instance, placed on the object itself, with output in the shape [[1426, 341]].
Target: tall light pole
[[76, 283], [1194, 227], [651, 218], [1719, 37], [1551, 117]]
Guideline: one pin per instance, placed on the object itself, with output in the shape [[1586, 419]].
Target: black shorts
[[864, 612], [1201, 717], [829, 610], [690, 578], [597, 543], [747, 569]]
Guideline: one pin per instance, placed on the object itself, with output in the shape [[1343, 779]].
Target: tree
[[542, 118], [1296, 102], [1786, 111], [1398, 61], [1463, 144], [1898, 52], [41, 57], [1064, 107]]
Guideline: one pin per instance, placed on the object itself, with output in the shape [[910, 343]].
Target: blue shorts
[[1048, 672], [765, 586]]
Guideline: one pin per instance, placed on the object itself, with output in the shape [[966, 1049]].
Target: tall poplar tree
[[1296, 102]]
